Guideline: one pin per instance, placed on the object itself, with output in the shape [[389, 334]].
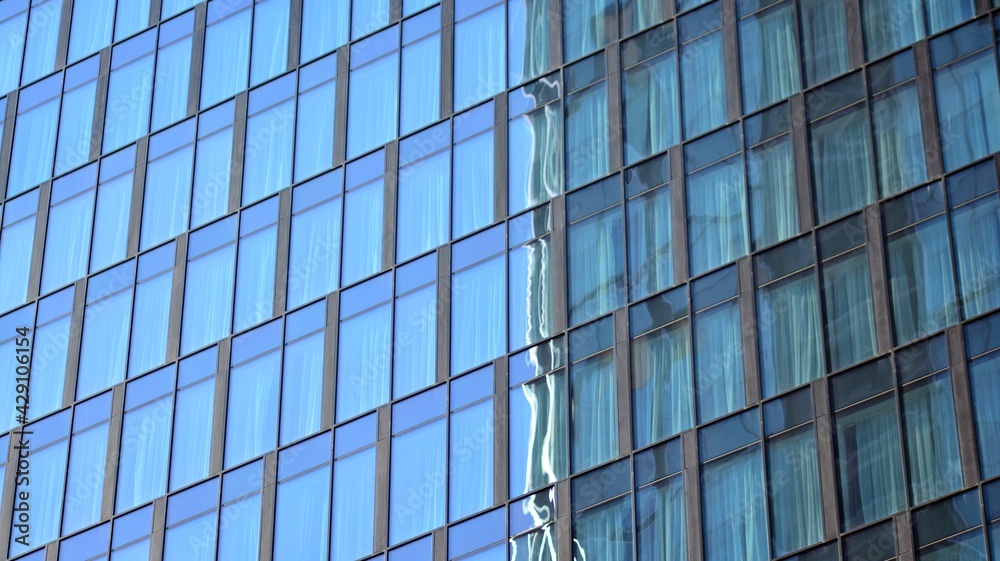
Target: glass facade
[[520, 280]]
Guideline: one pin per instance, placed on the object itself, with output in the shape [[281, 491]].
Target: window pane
[[208, 300], [661, 522], [173, 7], [111, 222], [85, 481], [920, 281], [314, 257], [734, 485], [890, 25], [421, 101], [899, 141], [535, 158], [871, 477], [774, 200], [324, 27], [314, 131], [719, 361], [935, 467], [239, 539], [596, 266], [661, 384], [270, 40], [528, 39], [252, 418], [302, 516], [15, 258], [133, 17], [363, 363], [268, 157], [34, 147], [373, 102], [67, 244], [423, 205], [302, 388], [976, 232], [41, 41], [130, 94], [48, 472], [363, 232], [966, 547], [255, 278], [479, 57], [48, 367], [638, 15], [595, 415], [105, 342], [167, 197], [418, 469], [538, 433], [703, 84], [652, 107], [850, 329], [531, 293], [227, 53], [142, 468], [414, 352], [353, 506], [173, 75], [587, 26], [471, 455], [791, 346], [10, 58], [650, 258], [769, 57], [824, 39], [478, 325], [984, 378], [211, 177], [942, 14], [151, 319], [796, 507], [587, 135], [192, 434], [842, 172], [968, 99], [605, 532], [193, 540], [472, 192], [76, 125], [368, 16], [716, 215]]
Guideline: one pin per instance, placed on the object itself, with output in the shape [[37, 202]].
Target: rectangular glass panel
[[353, 506], [605, 532], [594, 414], [976, 235], [471, 456], [791, 343], [703, 84], [921, 282], [769, 57], [661, 385], [651, 107], [596, 266], [984, 377], [142, 468], [968, 99], [538, 433], [418, 463], [734, 485], [478, 325], [717, 215], [587, 151], [479, 56], [796, 507], [899, 141], [935, 467]]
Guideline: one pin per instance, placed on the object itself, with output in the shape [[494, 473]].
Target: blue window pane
[[774, 203], [471, 453], [302, 516], [47, 482], [703, 85], [423, 205], [418, 458], [324, 27], [150, 320], [227, 53], [479, 57], [535, 158], [421, 101], [472, 192], [34, 147], [314, 256], [302, 388], [208, 301], [651, 107], [363, 232], [132, 17], [42, 40], [661, 394], [10, 57], [167, 197], [252, 418], [824, 39], [538, 433], [173, 76], [212, 170], [48, 367], [716, 216], [921, 282], [735, 484], [15, 257], [114, 199], [718, 361], [142, 467], [192, 434], [90, 30], [414, 353], [85, 480], [605, 532], [935, 467], [660, 519], [368, 16], [240, 538], [268, 159], [791, 344], [984, 376], [363, 363], [796, 507], [769, 57], [173, 7], [192, 540], [650, 258], [841, 157], [138, 551], [595, 415], [270, 40], [105, 341], [587, 26], [67, 244], [373, 103], [353, 506], [976, 233], [850, 328], [942, 14], [531, 293], [899, 141], [587, 135], [890, 25], [130, 94], [477, 318], [314, 131], [527, 39], [596, 266], [640, 14], [75, 127], [968, 100], [255, 278]]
